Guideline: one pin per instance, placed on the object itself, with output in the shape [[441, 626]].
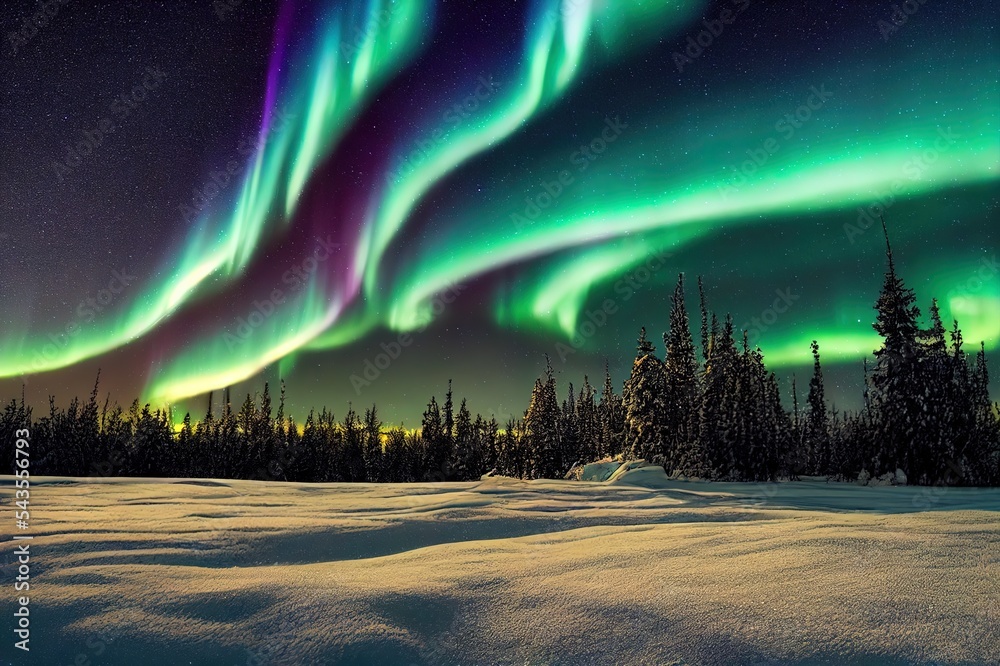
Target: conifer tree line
[[709, 410]]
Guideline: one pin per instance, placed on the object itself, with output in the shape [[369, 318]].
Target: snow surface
[[141, 571]]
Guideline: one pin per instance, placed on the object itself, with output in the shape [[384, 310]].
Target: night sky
[[367, 198]]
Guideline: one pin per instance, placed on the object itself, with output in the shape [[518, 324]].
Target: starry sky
[[368, 198]]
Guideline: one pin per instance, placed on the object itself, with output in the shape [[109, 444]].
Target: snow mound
[[600, 471], [644, 476], [616, 472]]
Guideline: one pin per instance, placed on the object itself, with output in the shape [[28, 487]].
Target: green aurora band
[[580, 246], [601, 227], [319, 110]]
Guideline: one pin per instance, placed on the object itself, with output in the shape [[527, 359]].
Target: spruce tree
[[611, 412], [643, 398], [569, 428], [719, 419], [984, 449], [541, 425], [436, 444], [372, 446], [943, 426], [468, 457], [683, 451], [896, 407], [588, 422], [817, 420]]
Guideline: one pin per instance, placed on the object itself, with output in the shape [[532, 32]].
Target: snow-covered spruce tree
[[861, 444], [644, 395], [448, 422], [468, 455], [569, 429], [185, 460], [350, 457], [436, 445], [14, 417], [588, 423], [611, 413], [984, 451], [894, 402], [398, 462], [680, 416], [943, 423], [761, 422], [705, 332], [719, 407], [510, 449], [371, 447], [486, 433], [541, 428], [817, 423], [151, 440]]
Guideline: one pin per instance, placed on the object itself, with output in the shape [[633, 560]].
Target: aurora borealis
[[428, 190]]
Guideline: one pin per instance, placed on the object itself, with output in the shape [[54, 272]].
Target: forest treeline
[[709, 410]]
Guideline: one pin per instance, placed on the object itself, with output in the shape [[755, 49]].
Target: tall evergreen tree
[[541, 425], [611, 412], [468, 456], [683, 448], [895, 405], [644, 404], [719, 421], [437, 445], [372, 446], [817, 420], [588, 422], [569, 432]]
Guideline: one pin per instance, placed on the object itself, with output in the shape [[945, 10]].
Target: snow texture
[[501, 571]]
